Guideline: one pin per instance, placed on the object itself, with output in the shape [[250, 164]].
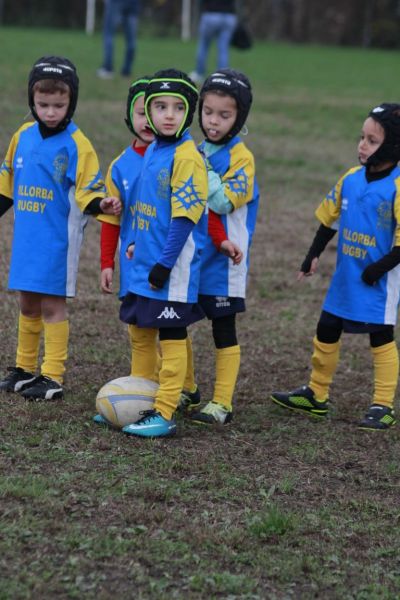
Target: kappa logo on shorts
[[168, 313]]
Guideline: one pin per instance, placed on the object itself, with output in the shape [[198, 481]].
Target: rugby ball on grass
[[121, 401]]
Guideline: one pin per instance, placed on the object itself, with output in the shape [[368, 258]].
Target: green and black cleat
[[302, 400], [189, 401], [378, 418]]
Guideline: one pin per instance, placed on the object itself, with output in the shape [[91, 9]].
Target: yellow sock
[[172, 376], [226, 372], [55, 349], [386, 373], [156, 376], [324, 362], [29, 330], [144, 352], [189, 383]]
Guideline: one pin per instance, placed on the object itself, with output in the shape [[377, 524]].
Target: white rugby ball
[[121, 401]]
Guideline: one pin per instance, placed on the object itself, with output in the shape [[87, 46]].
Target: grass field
[[273, 506]]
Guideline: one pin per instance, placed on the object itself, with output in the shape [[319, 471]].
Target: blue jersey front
[[368, 217], [51, 181], [173, 183], [234, 163], [121, 182]]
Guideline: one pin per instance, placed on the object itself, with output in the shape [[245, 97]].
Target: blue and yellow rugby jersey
[[121, 181], [368, 218], [173, 183], [51, 181], [234, 163]]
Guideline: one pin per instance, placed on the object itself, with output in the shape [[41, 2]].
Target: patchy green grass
[[273, 506]]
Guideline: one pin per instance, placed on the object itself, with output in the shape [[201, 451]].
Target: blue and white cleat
[[100, 420], [152, 424]]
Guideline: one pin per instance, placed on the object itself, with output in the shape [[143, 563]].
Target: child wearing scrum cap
[[363, 297], [225, 101], [121, 181], [170, 229], [51, 177]]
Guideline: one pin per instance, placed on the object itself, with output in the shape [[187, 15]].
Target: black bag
[[241, 37]]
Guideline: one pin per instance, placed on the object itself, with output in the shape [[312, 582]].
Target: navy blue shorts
[[157, 314], [221, 306], [330, 320]]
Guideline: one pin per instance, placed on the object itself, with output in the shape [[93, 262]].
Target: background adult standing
[[218, 20], [124, 13]]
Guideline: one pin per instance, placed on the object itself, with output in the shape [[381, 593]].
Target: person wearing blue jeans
[[124, 13], [217, 21]]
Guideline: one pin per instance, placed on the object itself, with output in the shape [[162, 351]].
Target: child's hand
[[232, 250], [313, 269], [130, 251], [111, 205], [106, 279], [158, 276]]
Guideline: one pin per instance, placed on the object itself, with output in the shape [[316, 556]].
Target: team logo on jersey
[[60, 164], [19, 163], [384, 215], [168, 313], [345, 204], [164, 182], [125, 183]]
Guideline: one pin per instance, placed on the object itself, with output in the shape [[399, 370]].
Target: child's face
[[218, 115], [372, 136], [51, 108], [167, 113], [140, 123]]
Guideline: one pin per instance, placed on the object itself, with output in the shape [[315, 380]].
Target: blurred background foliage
[[366, 23]]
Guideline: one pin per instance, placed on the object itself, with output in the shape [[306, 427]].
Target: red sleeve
[[108, 244], [216, 229]]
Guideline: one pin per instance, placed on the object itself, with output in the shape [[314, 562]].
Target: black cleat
[[301, 400], [378, 418], [188, 401], [43, 388], [17, 380]]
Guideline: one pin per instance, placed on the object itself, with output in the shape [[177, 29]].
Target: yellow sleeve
[[329, 210], [89, 181], [111, 190], [239, 179], [396, 210], [6, 168], [189, 183]]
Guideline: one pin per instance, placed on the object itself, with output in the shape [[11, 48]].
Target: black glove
[[376, 270], [322, 237], [159, 275]]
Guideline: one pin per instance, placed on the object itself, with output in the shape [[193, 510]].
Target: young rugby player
[[51, 177]]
